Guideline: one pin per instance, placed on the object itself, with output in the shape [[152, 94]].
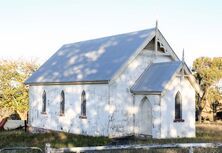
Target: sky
[[35, 29]]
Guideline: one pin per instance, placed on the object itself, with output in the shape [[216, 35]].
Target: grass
[[211, 132], [205, 133], [56, 139]]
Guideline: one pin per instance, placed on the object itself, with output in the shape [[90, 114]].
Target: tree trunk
[[201, 105], [199, 116], [214, 117], [2, 122], [199, 110]]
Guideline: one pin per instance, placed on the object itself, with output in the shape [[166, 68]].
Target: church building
[[131, 84]]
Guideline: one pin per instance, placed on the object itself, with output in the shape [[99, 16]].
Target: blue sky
[[35, 29]]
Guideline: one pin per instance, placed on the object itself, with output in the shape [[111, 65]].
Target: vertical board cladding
[[170, 128], [97, 109], [121, 99]]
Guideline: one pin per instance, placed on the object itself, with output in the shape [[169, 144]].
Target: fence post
[[191, 149], [47, 148]]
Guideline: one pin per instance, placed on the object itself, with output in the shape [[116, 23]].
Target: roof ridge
[[90, 60], [103, 37]]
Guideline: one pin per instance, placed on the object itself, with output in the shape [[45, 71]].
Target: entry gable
[[158, 75], [155, 77]]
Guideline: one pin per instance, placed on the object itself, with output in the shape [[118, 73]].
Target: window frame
[[178, 107], [62, 103], [44, 100], [83, 114]]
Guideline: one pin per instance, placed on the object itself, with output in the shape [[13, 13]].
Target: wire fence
[[140, 148], [21, 150]]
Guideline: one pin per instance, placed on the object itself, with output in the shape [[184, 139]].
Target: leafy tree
[[208, 71], [13, 92]]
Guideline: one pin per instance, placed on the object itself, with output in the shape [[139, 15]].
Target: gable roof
[[91, 60], [154, 79]]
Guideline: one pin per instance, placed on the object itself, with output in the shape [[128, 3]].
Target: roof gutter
[[67, 83], [146, 92]]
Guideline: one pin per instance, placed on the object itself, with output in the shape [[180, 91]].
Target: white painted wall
[[111, 109], [97, 109], [169, 128], [105, 116], [121, 99]]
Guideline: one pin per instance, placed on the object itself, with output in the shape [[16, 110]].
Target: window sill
[[178, 120], [82, 117], [43, 113], [61, 114]]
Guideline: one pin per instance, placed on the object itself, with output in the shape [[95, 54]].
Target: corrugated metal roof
[[154, 79], [92, 60]]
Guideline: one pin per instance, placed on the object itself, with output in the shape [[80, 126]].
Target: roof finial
[[156, 39], [183, 60], [156, 24]]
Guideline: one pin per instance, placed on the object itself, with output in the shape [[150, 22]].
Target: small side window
[[62, 104], [44, 102], [83, 105], [178, 108]]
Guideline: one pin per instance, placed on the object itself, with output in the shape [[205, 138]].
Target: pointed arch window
[[62, 103], [44, 102], [178, 107], [83, 105]]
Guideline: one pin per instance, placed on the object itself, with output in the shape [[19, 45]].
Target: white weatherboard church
[[130, 84]]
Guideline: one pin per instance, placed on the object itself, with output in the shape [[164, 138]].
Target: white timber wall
[[121, 99], [96, 109], [169, 128]]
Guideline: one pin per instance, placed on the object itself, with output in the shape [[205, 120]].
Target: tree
[[208, 71], [214, 98], [13, 92]]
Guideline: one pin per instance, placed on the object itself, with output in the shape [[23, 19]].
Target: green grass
[[205, 133], [56, 139]]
